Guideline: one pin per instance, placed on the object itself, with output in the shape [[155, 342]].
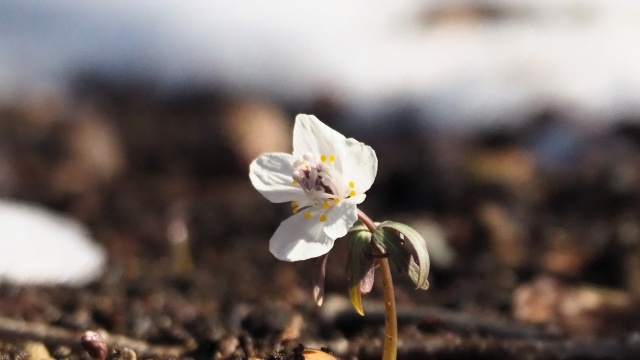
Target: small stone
[[293, 329], [536, 302], [576, 310], [37, 351], [61, 352], [94, 344], [591, 311], [228, 345], [122, 354]]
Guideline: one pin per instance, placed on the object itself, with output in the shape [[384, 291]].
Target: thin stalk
[[391, 319]]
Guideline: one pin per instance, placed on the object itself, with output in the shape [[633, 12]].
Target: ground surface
[[535, 254]]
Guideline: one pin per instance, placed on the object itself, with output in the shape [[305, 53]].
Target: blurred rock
[[227, 346], [122, 354], [577, 310], [269, 318], [508, 166], [253, 127], [94, 344], [94, 155], [61, 352], [37, 351], [592, 311], [536, 302], [507, 236], [564, 255], [337, 345], [294, 328]]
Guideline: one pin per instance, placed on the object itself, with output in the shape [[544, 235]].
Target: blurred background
[[458, 63], [507, 133]]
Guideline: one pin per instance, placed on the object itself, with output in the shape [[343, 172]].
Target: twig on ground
[[22, 330]]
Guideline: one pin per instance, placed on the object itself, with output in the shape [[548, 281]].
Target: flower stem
[[391, 319]]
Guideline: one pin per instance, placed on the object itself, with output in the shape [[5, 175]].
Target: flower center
[[321, 183]]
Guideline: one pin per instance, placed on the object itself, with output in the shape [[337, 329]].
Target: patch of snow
[[38, 246], [578, 54]]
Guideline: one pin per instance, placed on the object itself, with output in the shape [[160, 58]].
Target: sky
[[459, 69]]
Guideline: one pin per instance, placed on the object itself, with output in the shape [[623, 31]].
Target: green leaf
[[407, 248], [358, 228], [359, 238], [390, 243]]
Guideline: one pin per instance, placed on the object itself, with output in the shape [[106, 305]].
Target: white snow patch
[[38, 246], [578, 54]]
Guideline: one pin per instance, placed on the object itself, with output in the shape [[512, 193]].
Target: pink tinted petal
[[360, 165], [271, 173], [310, 135], [366, 283], [298, 239], [318, 278], [340, 219]]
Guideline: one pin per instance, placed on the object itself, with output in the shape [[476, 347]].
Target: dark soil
[[545, 237]]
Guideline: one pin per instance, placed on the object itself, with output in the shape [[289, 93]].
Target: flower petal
[[310, 135], [358, 199], [271, 173], [318, 278], [340, 219], [298, 239], [360, 165]]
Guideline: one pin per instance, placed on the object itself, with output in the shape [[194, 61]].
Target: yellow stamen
[[352, 193], [352, 185], [295, 210], [336, 200], [325, 205], [294, 182], [294, 204], [307, 216], [332, 158], [323, 218], [323, 158]]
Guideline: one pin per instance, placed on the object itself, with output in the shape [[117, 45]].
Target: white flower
[[324, 179]]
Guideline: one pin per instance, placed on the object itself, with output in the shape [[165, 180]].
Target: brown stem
[[391, 319]]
